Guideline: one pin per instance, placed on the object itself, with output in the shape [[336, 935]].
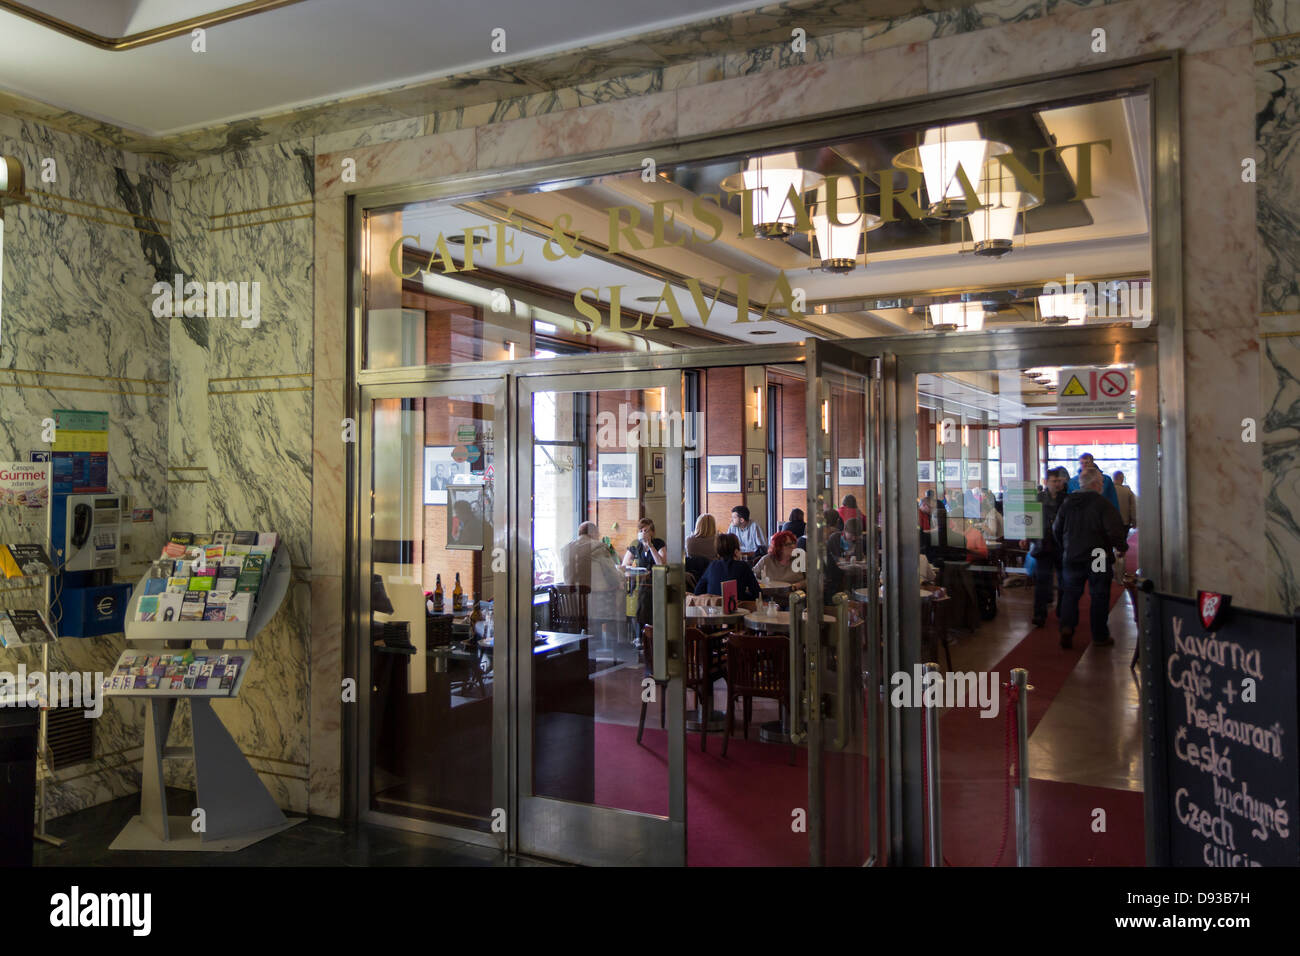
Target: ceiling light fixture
[[1065, 308], [11, 181], [770, 179], [993, 225], [957, 317], [459, 240], [943, 152], [838, 236]]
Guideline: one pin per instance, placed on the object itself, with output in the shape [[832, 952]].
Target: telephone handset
[[81, 524]]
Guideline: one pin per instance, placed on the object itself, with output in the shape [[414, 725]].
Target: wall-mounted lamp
[[11, 181], [758, 407], [510, 350], [826, 415]]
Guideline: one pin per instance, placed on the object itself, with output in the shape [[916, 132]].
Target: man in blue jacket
[[1086, 461]]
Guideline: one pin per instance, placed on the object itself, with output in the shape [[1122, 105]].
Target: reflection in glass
[[432, 667]]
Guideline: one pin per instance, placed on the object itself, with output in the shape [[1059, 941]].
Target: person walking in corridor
[[1087, 530]]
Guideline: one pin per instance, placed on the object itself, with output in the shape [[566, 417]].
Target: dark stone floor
[[317, 842]]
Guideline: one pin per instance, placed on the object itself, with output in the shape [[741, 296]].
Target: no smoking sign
[[1094, 391]]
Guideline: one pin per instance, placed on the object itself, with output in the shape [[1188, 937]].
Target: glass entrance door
[[840, 639], [429, 595], [992, 445], [598, 636]]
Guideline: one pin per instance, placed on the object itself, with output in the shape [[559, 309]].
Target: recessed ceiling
[[305, 53]]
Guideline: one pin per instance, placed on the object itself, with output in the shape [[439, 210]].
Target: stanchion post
[[934, 821], [1020, 680]]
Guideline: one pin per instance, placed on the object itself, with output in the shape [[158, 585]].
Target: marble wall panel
[[327, 637], [242, 413], [1280, 438], [412, 161], [1219, 256], [1064, 40], [1277, 102], [801, 91], [80, 261], [1225, 520], [604, 126]]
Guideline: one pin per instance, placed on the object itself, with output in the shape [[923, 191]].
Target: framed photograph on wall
[[1009, 469], [649, 485], [616, 475], [925, 471], [657, 463], [466, 507], [723, 473], [440, 470], [952, 472], [749, 486], [794, 473], [974, 471], [754, 469], [852, 471], [762, 486]]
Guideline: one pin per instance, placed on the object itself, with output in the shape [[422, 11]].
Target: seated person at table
[[833, 522], [703, 543], [645, 552], [777, 565], [588, 562], [747, 532], [849, 544], [795, 525], [849, 509], [728, 567]]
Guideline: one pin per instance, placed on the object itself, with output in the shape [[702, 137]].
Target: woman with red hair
[[777, 566]]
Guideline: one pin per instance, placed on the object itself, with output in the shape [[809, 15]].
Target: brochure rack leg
[[153, 785], [238, 810], [231, 794]]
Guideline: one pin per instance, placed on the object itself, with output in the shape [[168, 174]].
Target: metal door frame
[[548, 826], [866, 363], [498, 389]]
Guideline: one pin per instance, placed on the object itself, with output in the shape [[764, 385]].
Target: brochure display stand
[[26, 490], [237, 809]]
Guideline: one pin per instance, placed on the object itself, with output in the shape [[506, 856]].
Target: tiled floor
[[316, 842]]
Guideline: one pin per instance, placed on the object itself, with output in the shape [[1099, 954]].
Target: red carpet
[[974, 774], [738, 808]]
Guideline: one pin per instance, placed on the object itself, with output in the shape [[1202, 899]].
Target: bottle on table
[[457, 596], [437, 595]]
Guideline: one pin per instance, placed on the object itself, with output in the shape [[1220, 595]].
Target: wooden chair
[[756, 667], [568, 607], [648, 645], [705, 664]]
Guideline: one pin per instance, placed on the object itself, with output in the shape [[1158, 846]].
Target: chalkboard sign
[[1222, 767]]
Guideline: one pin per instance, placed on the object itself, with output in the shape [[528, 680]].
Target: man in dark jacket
[[1046, 553], [1087, 529]]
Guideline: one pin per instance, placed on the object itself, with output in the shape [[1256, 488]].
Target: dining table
[[775, 621], [712, 618]]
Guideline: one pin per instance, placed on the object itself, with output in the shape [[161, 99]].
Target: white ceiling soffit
[[296, 55]]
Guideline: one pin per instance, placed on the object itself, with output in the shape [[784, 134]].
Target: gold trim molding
[[145, 37]]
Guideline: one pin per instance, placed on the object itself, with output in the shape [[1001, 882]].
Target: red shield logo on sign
[[1213, 608]]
